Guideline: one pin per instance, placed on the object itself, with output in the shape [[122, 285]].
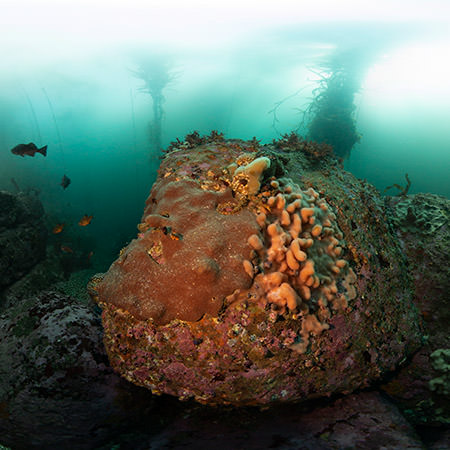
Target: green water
[[232, 69]]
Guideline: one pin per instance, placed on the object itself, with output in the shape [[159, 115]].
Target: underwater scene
[[224, 224]]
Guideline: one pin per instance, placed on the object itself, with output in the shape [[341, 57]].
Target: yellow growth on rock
[[255, 242], [246, 178], [248, 267], [297, 256]]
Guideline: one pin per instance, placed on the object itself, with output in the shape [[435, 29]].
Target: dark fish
[[65, 182], [28, 149]]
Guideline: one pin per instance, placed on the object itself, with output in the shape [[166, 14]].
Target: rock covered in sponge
[[182, 265], [296, 255], [246, 178], [232, 295]]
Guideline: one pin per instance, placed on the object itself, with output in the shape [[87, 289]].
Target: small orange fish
[[85, 220], [66, 249], [89, 256], [58, 228]]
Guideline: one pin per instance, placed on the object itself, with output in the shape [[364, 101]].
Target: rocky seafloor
[[383, 379]]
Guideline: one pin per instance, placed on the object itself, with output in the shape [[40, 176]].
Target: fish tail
[[43, 150]]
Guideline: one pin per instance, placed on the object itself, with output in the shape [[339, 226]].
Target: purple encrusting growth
[[243, 359], [254, 349]]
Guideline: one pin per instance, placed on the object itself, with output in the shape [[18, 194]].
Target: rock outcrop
[[259, 275], [56, 385], [22, 235]]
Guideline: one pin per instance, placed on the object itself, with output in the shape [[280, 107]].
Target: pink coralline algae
[[258, 276]]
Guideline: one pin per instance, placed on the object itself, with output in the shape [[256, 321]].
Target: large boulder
[[260, 274], [359, 421], [22, 235], [421, 388], [56, 386]]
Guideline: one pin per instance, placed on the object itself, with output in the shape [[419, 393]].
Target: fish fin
[[43, 150]]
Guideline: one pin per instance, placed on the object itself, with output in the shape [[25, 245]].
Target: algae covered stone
[[294, 290]]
